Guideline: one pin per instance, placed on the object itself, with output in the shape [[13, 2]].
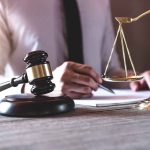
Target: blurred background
[[137, 34]]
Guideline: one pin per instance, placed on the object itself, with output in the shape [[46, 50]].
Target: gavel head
[[39, 72]]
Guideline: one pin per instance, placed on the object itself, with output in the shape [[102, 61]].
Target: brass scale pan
[[121, 79]]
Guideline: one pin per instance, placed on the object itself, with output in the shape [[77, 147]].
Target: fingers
[[76, 90], [86, 70], [76, 80], [80, 79], [135, 86], [75, 95], [141, 84], [146, 76], [81, 76]]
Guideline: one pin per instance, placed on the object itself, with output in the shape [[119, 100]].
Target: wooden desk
[[84, 129]]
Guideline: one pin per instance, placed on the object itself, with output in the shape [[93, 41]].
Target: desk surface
[[83, 129]]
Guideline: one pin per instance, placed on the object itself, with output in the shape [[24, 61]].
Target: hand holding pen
[[77, 80]]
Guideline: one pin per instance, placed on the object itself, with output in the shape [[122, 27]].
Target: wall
[[137, 34]]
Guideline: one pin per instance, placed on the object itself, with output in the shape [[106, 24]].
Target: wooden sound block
[[28, 105]]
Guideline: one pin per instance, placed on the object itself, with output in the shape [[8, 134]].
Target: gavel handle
[[5, 85], [13, 82]]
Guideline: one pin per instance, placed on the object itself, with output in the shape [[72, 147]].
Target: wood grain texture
[[83, 129]]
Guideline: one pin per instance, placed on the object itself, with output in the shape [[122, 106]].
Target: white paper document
[[121, 98]]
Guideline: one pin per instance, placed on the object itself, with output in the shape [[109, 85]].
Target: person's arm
[[5, 38], [77, 80], [143, 84], [6, 49]]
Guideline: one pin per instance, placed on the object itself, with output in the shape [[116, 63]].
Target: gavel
[[39, 75]]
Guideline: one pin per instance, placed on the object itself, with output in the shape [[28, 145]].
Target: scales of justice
[[125, 52]]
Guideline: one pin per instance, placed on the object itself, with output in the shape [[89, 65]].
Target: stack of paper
[[121, 98]]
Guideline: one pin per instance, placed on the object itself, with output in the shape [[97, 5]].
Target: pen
[[106, 88]]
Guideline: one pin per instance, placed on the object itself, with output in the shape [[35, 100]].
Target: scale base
[[28, 105]]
